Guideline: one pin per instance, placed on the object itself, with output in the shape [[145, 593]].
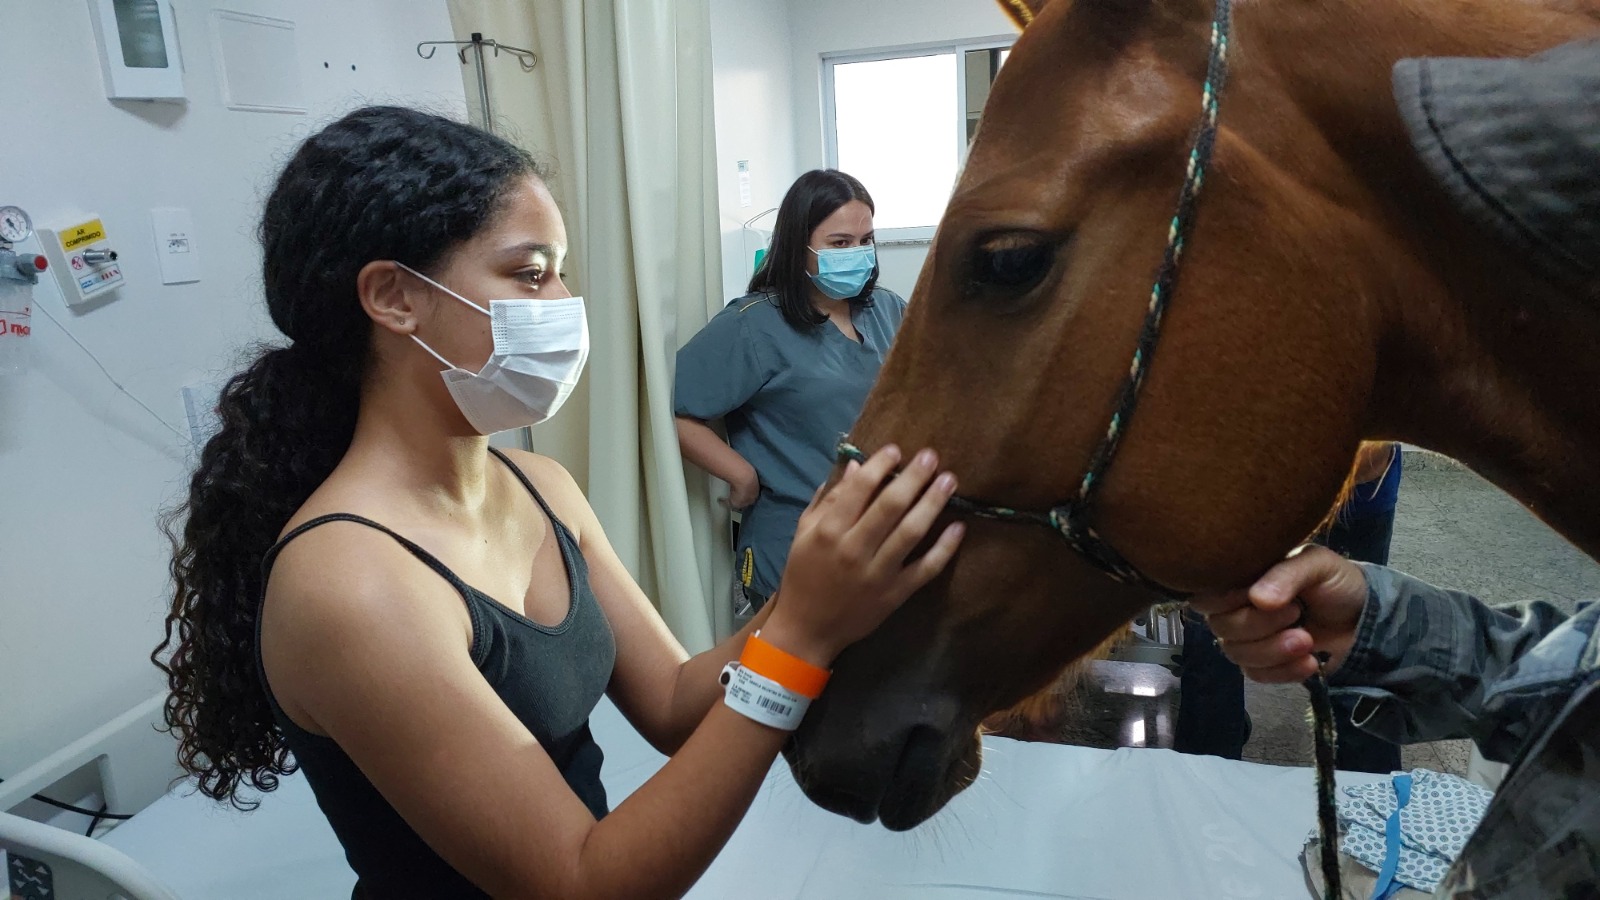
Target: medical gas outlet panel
[[83, 259]]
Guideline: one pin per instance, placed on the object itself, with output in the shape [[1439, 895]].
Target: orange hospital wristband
[[785, 668]]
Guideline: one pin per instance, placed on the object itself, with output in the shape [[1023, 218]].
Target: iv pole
[[527, 59]]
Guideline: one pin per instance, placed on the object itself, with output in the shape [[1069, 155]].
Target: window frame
[[920, 234]]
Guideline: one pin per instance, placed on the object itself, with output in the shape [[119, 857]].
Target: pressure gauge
[[15, 226]]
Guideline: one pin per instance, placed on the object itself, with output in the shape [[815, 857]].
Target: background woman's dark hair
[[813, 197], [380, 183]]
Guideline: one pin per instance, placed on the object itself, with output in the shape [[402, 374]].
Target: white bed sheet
[[1044, 821]]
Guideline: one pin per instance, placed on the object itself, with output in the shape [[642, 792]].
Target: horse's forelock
[[1022, 12]]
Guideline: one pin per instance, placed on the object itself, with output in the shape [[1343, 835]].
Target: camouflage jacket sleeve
[[1431, 664]]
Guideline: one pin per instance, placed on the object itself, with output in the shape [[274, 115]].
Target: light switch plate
[[175, 245]]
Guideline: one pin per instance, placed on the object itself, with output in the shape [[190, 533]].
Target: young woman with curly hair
[[366, 590]]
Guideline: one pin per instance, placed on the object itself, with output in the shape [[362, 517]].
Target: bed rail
[[136, 765]]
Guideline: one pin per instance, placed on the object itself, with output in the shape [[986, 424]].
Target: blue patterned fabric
[[1434, 826]]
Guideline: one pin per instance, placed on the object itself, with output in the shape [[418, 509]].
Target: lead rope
[[1325, 734]]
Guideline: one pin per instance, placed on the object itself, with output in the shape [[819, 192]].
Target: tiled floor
[[1452, 529]]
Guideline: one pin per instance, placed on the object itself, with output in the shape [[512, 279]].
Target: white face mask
[[540, 347]]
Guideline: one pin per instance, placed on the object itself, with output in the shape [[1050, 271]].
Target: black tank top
[[550, 678]]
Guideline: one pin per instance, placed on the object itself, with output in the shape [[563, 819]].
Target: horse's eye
[[1012, 262]]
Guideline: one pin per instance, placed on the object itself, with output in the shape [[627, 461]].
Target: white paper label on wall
[[744, 182], [175, 247]]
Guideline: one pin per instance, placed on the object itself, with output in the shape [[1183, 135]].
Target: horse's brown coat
[[1330, 295]]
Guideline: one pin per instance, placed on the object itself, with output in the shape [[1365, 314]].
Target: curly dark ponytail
[[380, 183]]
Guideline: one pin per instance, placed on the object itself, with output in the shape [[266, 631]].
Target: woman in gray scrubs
[[787, 368]]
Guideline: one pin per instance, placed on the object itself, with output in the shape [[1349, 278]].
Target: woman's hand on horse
[[848, 567], [1309, 603]]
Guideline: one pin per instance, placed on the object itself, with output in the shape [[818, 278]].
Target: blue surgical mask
[[842, 272]]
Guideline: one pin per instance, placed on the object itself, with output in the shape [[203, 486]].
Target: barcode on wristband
[[782, 709], [763, 700]]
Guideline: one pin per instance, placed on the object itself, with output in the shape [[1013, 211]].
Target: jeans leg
[[1357, 751], [1364, 540], [1211, 716]]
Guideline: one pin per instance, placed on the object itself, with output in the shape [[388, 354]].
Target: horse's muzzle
[[898, 763]]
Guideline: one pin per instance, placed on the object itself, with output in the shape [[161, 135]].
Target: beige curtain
[[621, 104]]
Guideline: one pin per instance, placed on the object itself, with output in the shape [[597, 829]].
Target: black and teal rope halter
[[1072, 519]]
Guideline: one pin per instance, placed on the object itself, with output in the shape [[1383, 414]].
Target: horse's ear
[[1023, 12]]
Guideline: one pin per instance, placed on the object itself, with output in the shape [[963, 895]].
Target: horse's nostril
[[843, 802]]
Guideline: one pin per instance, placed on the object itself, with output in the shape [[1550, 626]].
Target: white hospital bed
[[1044, 821]]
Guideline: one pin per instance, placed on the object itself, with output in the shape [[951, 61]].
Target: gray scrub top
[[786, 397]]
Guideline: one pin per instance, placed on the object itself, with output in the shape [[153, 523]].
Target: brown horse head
[[1323, 264]]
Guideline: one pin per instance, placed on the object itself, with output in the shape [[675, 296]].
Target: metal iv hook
[[527, 59]]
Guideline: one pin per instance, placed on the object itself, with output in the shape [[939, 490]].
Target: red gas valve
[[30, 266]]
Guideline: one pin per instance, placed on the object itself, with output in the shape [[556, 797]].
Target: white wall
[[752, 80], [83, 470], [834, 26]]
